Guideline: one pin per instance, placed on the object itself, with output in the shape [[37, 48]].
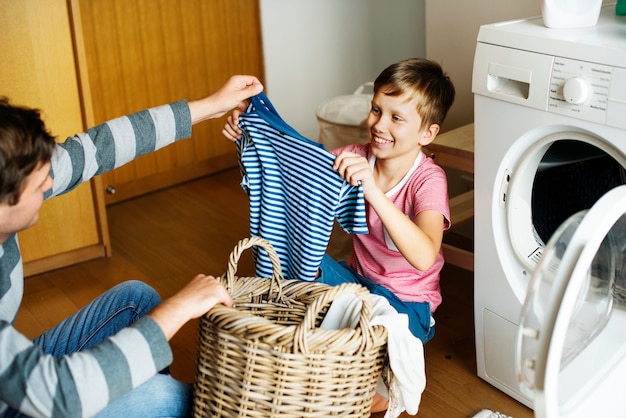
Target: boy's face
[[395, 129], [25, 213]]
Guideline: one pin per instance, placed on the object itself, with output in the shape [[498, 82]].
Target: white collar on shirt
[[401, 183]]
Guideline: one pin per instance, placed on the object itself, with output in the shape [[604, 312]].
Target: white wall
[[317, 50], [451, 32]]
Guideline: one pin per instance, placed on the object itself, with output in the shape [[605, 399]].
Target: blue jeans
[[334, 273], [119, 307]]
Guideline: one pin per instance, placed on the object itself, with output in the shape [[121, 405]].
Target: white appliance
[[550, 141]]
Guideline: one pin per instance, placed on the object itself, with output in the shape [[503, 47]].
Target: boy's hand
[[231, 129], [355, 169]]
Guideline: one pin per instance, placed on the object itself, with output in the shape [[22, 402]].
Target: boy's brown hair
[[425, 82], [25, 144]]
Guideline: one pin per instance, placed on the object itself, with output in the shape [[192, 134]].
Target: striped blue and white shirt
[[295, 194]]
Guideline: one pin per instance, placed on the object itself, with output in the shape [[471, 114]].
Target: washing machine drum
[[571, 349], [571, 177]]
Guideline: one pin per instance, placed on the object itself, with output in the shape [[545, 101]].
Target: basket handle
[[300, 342], [235, 255]]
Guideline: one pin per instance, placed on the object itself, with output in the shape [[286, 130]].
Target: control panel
[[580, 89]]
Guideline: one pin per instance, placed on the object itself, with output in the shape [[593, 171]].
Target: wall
[[317, 50], [451, 32]]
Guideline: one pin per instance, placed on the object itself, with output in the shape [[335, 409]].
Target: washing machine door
[[571, 348]]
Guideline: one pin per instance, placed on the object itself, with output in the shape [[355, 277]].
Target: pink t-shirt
[[375, 256]]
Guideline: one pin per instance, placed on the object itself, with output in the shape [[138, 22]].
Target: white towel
[[406, 352]]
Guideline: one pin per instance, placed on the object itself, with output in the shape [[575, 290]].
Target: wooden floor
[[166, 238]]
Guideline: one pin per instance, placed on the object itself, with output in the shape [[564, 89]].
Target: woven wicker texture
[[267, 357]]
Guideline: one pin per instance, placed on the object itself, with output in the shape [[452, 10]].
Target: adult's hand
[[233, 94], [195, 299]]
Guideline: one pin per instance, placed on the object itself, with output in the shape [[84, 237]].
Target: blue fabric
[[295, 194], [334, 273], [161, 396], [112, 311]]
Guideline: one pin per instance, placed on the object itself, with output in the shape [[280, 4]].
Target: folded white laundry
[[407, 375]]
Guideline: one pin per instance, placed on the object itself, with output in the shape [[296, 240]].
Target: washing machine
[[550, 154]]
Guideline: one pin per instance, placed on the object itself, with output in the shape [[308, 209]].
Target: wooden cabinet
[[142, 53], [83, 62], [38, 69]]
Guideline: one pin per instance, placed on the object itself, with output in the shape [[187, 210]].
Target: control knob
[[576, 90]]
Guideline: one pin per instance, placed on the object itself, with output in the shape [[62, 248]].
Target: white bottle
[[563, 14]]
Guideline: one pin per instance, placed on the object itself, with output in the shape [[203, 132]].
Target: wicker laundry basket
[[267, 357]]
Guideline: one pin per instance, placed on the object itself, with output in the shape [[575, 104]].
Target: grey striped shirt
[[84, 383]]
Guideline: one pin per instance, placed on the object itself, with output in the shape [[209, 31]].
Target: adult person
[[106, 357]]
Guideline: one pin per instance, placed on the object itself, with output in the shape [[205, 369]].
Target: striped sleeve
[[117, 142], [351, 211], [82, 384]]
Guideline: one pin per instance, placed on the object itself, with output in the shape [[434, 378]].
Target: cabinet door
[[144, 53], [37, 69]]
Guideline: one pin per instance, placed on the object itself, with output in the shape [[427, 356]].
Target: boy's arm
[[420, 241]]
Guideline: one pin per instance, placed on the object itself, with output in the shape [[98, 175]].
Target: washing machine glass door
[[572, 342]]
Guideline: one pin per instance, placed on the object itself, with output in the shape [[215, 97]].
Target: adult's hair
[[425, 82], [25, 144]]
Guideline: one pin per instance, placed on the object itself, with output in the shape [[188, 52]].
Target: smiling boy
[[405, 192], [406, 196]]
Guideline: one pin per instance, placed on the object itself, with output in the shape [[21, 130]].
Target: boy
[[406, 196], [405, 192]]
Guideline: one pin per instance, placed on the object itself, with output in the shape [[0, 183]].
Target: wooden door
[[144, 53], [38, 70]]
